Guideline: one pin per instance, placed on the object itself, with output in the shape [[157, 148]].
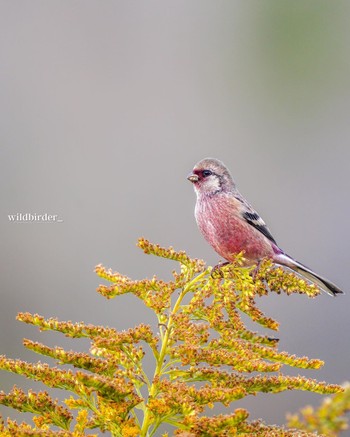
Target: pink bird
[[230, 224]]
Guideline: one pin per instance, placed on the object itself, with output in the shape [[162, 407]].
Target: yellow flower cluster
[[203, 354]]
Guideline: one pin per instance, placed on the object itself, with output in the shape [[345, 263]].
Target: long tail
[[327, 286]]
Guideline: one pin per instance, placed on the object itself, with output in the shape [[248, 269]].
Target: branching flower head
[[203, 354]]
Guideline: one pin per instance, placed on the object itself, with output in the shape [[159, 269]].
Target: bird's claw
[[255, 271], [216, 270]]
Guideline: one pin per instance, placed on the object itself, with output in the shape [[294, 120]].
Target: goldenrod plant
[[327, 420], [203, 354]]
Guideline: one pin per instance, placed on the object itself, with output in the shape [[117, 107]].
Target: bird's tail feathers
[[327, 286]]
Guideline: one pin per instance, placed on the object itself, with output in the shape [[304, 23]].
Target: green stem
[[163, 351]]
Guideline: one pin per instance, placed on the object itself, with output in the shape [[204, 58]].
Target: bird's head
[[210, 176]]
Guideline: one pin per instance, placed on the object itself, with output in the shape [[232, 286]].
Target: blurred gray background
[[106, 106]]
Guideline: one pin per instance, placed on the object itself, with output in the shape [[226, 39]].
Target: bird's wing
[[254, 219]]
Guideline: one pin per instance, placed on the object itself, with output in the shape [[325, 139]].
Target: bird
[[230, 224]]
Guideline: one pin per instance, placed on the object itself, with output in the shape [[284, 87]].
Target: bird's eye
[[206, 173]]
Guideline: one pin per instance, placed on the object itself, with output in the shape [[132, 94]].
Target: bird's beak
[[193, 178]]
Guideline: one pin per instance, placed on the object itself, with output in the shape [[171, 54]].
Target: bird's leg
[[216, 269], [254, 272]]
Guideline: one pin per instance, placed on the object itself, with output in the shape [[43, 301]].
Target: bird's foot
[[255, 271], [216, 270]]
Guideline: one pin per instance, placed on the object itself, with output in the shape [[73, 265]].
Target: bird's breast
[[222, 225]]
